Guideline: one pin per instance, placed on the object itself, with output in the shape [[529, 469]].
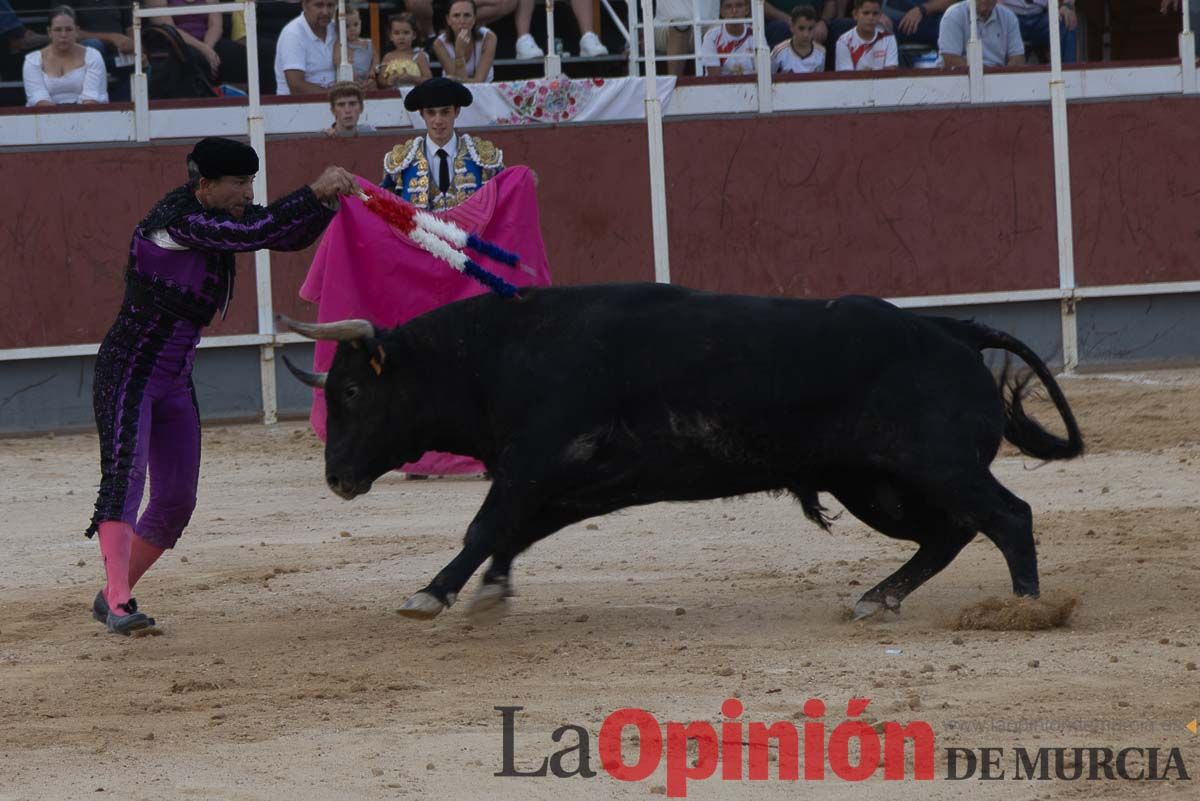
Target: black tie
[[443, 170]]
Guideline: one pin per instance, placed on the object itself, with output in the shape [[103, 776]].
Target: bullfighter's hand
[[333, 182]]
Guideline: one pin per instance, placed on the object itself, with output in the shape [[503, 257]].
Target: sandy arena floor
[[284, 672]]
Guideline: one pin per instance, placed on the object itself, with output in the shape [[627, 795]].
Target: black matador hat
[[438, 93], [217, 156]]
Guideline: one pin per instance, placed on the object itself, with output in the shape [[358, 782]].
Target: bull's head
[[363, 399]]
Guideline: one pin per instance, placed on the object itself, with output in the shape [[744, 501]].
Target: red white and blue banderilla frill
[[443, 239]]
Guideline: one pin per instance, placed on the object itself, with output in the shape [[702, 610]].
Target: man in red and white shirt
[[866, 46], [729, 49]]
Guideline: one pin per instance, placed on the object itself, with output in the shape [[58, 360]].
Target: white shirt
[[733, 54], [299, 48], [435, 163], [88, 82], [855, 53], [999, 34], [784, 58]]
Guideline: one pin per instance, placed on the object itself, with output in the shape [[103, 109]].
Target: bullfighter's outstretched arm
[[292, 222]]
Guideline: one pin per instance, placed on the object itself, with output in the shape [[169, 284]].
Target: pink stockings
[[127, 557]]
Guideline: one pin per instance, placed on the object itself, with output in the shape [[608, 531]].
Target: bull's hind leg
[[1008, 522], [904, 514]]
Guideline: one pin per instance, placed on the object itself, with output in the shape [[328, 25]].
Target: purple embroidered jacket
[[181, 258]]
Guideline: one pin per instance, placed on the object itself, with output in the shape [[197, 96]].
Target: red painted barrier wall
[[897, 203]]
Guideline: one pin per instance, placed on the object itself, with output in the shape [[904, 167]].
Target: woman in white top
[[64, 71], [465, 48]]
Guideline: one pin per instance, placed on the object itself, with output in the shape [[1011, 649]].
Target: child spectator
[[64, 71], [867, 46], [346, 101], [362, 58], [729, 49], [404, 63], [800, 53]]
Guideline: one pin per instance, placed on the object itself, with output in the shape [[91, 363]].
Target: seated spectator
[[404, 63], [363, 57], [867, 46], [800, 53], [998, 30], [729, 49], [205, 33], [465, 48], [65, 71], [779, 19], [914, 22], [677, 37], [17, 38], [1034, 18], [346, 101], [304, 52], [589, 43], [429, 13], [107, 26]]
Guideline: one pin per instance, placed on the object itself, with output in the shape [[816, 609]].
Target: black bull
[[585, 400]]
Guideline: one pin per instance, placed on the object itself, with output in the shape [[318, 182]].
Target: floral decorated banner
[[558, 100]]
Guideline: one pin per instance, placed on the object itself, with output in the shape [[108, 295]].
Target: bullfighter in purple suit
[[180, 273]]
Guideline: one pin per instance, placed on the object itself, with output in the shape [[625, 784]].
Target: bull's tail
[[1019, 428]]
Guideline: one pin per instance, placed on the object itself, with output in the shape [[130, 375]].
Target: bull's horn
[[341, 330], [312, 379]]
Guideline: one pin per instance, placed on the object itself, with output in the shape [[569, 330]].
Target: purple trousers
[[146, 414]]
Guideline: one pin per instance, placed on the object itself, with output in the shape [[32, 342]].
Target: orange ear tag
[[377, 363]]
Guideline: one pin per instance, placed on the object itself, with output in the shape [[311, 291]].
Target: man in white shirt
[[1034, 16], [866, 46], [304, 52], [999, 35]]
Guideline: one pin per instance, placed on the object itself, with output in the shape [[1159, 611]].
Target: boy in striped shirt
[[866, 46]]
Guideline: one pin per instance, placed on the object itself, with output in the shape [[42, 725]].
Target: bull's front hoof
[[489, 604], [422, 606]]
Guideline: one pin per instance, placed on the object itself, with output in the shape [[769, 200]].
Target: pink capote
[[364, 268]]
